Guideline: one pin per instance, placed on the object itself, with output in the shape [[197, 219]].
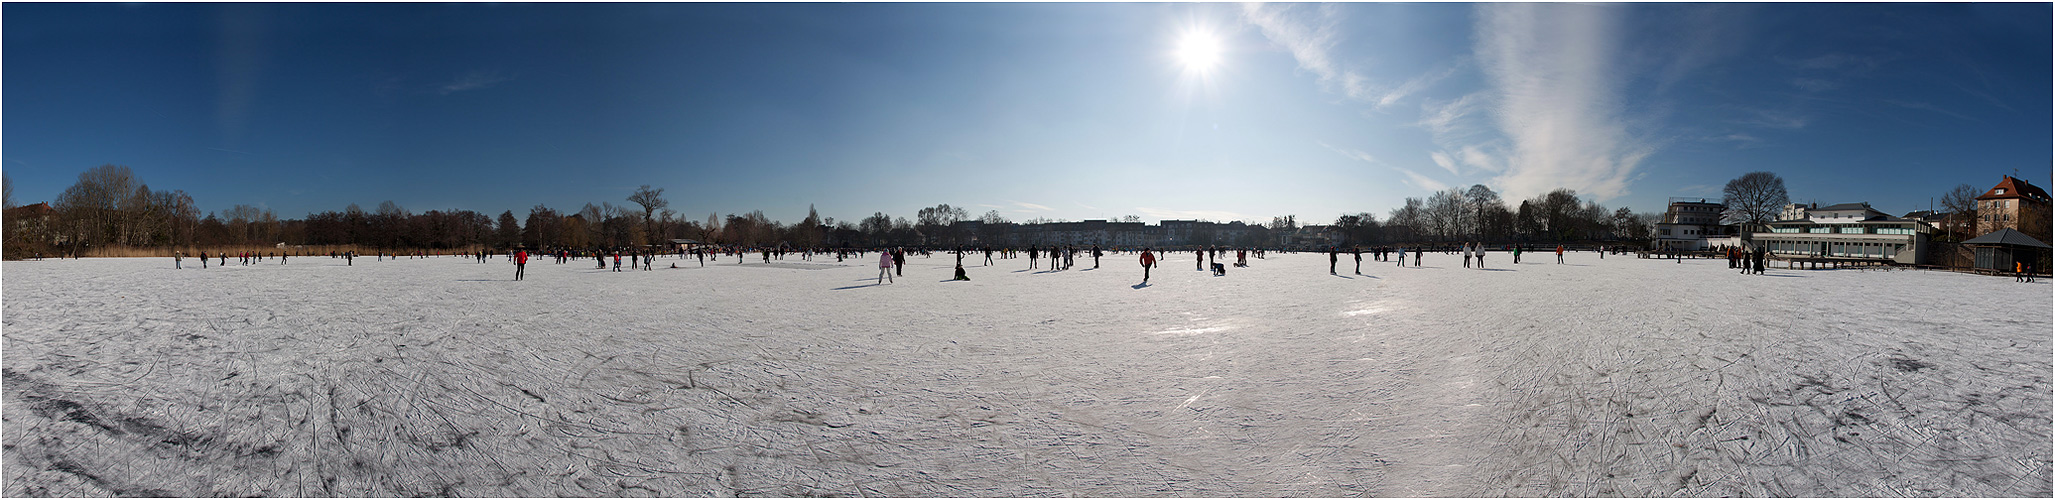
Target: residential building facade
[[2014, 204]]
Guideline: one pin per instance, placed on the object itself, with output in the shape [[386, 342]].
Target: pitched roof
[[2006, 236], [1843, 206], [2014, 188]]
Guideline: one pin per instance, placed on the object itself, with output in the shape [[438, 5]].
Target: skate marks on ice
[[1704, 402]]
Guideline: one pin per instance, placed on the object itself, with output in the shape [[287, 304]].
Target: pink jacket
[[884, 260]]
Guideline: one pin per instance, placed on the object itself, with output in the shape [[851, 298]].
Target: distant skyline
[[1061, 111]]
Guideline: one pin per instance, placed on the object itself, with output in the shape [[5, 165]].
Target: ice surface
[[1601, 377]]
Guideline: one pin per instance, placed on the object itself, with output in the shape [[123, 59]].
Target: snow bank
[[1611, 376]]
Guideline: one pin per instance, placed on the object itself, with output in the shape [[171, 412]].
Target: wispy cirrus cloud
[[1030, 207], [1421, 181], [472, 81], [1311, 33], [1558, 97], [1350, 153]]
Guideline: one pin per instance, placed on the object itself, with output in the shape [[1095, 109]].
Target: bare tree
[[651, 199], [1961, 204], [993, 217], [1481, 200], [1754, 198]]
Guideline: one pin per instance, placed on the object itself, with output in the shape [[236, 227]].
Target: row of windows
[[1843, 230], [1838, 249]]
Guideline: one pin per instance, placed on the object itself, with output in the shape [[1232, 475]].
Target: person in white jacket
[[1480, 255], [1466, 255], [884, 266]]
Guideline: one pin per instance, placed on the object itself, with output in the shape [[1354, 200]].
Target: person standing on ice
[[884, 266], [617, 261], [1466, 256], [1331, 258], [898, 261], [1559, 254], [1358, 252], [1148, 261], [1480, 255], [178, 260], [1033, 257], [1095, 256], [1416, 256]]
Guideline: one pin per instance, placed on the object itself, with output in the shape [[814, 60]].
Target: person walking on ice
[[884, 266], [1148, 261], [178, 260]]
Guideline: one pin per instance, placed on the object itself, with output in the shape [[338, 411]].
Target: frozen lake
[[1599, 377]]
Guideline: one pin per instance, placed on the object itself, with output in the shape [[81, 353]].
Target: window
[[1850, 230], [1783, 230], [1894, 230]]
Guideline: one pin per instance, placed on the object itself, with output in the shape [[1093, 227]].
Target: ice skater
[[884, 266], [1331, 258], [1148, 261], [1401, 253], [1416, 256], [1559, 254], [1480, 255], [1033, 257], [960, 276], [899, 261], [178, 260], [520, 264], [1358, 252], [1466, 256]]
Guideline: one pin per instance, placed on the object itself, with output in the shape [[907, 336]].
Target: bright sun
[[1199, 51]]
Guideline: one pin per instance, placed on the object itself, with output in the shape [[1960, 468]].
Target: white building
[[1688, 224], [1851, 231]]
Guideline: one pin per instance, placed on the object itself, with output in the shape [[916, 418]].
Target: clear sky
[[1070, 111]]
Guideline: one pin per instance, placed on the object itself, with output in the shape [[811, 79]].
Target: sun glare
[[1199, 51]]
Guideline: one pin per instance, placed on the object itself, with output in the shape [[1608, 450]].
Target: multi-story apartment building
[[1689, 222], [2015, 204]]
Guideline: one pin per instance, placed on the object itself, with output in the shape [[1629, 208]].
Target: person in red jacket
[[1559, 254], [520, 264], [1148, 261]]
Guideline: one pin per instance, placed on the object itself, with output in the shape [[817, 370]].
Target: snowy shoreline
[[1600, 377]]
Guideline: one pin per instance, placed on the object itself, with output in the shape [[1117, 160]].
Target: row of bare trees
[[1478, 213]]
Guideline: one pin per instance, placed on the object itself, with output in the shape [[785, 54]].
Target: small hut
[[2000, 249]]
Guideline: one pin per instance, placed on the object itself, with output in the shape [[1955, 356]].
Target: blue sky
[[1066, 111]]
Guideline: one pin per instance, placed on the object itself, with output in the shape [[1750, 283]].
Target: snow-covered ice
[[1600, 377]]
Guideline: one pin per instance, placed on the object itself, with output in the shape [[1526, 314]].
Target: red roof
[[2014, 188]]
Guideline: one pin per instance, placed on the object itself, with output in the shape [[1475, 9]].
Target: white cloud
[[1449, 121], [1421, 181], [1416, 84], [1310, 33], [1476, 158], [1025, 206], [1213, 215], [1446, 162], [1558, 97]]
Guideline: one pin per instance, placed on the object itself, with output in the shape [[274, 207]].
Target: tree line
[[110, 207]]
